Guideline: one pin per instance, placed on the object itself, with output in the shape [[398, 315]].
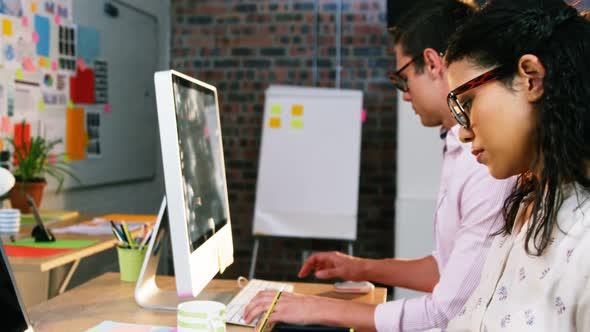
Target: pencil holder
[[130, 261], [204, 316]]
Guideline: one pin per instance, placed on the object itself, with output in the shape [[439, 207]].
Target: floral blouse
[[521, 292]]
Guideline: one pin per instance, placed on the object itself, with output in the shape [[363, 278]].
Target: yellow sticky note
[[33, 7], [6, 27], [19, 74], [70, 104], [276, 109], [275, 123], [297, 123], [41, 105], [297, 110]]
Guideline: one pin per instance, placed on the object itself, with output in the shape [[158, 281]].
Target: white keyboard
[[235, 307]]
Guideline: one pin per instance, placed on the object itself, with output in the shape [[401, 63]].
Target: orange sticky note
[[75, 135], [275, 123], [297, 110], [276, 109], [297, 123], [33, 7], [41, 61], [6, 27]]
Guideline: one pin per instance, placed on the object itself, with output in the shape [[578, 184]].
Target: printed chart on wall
[[58, 59], [309, 163]]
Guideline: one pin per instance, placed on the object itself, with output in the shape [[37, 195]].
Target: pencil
[[274, 302]]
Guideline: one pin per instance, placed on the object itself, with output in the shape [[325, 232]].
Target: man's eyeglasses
[[400, 82], [397, 80], [459, 110]]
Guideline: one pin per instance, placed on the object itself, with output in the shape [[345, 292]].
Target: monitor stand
[[147, 293]]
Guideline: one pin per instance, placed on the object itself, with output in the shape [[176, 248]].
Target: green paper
[[61, 244]]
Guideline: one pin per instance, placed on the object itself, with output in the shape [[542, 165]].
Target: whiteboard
[[309, 163], [128, 43]]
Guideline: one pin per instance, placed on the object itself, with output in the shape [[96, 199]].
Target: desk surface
[[43, 264], [108, 298]]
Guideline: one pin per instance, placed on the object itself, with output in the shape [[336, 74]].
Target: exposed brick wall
[[243, 46]]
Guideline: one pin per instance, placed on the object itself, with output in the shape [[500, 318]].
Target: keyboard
[[235, 307]]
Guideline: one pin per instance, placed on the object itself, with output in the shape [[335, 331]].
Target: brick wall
[[243, 46]]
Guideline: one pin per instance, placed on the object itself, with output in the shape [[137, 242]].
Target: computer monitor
[[15, 315], [196, 206]]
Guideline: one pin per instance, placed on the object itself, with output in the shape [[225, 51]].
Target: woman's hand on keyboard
[[291, 308], [333, 264]]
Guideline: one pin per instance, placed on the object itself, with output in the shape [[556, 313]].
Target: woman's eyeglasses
[[457, 108]]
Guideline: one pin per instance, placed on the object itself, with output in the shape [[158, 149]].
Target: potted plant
[[32, 163]]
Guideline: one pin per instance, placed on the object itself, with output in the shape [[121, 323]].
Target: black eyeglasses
[[397, 80], [400, 82], [459, 110]]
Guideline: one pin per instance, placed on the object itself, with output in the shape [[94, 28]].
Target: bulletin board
[[86, 78], [309, 163]]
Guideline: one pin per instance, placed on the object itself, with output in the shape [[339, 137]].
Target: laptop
[[14, 313]]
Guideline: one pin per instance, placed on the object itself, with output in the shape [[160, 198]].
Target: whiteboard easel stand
[[255, 255]]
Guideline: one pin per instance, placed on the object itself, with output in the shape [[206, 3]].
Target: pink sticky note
[[107, 108], [28, 64], [81, 64], [54, 65], [25, 21], [364, 115], [6, 125], [206, 132], [35, 37], [52, 159], [57, 19]]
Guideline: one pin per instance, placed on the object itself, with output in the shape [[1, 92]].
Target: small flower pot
[[33, 189]]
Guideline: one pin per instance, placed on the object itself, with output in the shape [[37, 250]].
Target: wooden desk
[[108, 298], [41, 278]]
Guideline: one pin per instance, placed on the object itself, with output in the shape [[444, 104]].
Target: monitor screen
[[14, 318], [200, 160]]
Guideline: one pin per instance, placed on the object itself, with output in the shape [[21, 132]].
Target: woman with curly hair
[[520, 76]]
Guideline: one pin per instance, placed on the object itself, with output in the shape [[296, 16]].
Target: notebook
[[13, 310]]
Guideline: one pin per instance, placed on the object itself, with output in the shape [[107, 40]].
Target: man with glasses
[[469, 202]]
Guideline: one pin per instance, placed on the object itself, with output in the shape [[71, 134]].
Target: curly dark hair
[[499, 35]]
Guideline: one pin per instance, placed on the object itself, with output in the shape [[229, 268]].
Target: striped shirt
[[468, 211]]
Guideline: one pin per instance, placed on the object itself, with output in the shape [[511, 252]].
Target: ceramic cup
[[9, 221], [203, 316]]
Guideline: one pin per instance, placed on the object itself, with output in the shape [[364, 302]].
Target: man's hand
[[333, 264]]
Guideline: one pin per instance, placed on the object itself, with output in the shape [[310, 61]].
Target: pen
[[128, 235], [274, 302]]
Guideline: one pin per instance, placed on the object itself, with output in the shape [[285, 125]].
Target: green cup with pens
[[130, 251]]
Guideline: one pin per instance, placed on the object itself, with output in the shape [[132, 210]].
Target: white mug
[[204, 316]]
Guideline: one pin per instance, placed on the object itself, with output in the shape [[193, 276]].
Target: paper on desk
[[110, 326], [62, 244], [96, 226]]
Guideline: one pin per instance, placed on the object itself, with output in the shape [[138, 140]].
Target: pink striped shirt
[[468, 211]]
